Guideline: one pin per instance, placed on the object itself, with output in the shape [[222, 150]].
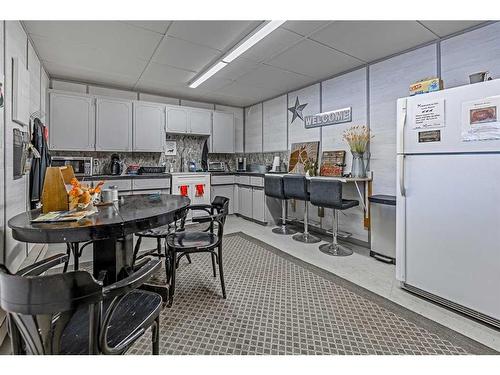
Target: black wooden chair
[[73, 313], [184, 242]]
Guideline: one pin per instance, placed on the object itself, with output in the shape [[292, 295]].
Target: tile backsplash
[[188, 148]]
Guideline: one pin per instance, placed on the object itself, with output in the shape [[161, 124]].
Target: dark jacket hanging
[[38, 165]]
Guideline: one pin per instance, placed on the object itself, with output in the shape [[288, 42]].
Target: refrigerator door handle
[[401, 123], [402, 190]]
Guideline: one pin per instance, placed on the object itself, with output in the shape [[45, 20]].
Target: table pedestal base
[[114, 256]]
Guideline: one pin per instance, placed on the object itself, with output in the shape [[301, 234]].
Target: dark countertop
[[126, 176], [229, 173], [135, 214]]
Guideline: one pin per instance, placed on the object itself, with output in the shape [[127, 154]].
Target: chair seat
[[348, 203], [162, 232], [137, 309], [192, 240]]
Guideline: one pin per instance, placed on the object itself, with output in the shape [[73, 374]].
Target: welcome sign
[[338, 116]]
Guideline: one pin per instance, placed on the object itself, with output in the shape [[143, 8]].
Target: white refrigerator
[[448, 198]]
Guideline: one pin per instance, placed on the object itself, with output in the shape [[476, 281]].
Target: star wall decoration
[[297, 110]]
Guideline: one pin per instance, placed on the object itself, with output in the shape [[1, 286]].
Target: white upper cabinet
[[72, 125], [238, 124], [200, 121], [149, 127], [113, 124], [274, 124], [223, 133], [253, 128], [186, 120], [177, 119]]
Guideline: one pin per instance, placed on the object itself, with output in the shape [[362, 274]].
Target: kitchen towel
[[200, 190], [184, 190]]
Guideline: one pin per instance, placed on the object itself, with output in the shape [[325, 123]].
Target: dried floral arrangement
[[81, 195], [357, 137]]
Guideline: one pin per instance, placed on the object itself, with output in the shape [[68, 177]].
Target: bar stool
[[273, 187], [328, 193], [296, 186]]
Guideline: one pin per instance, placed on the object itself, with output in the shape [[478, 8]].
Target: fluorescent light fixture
[[253, 39], [267, 29], [209, 73]]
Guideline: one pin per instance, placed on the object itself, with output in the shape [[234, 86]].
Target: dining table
[[109, 230]]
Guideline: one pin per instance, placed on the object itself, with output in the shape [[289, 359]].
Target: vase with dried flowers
[[357, 137]]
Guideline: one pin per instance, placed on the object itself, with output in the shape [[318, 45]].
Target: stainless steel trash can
[[383, 227]]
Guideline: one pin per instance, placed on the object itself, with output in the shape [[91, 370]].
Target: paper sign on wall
[[429, 115], [480, 119]]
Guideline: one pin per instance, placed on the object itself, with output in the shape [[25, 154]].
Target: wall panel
[[296, 129], [390, 80], [253, 128], [275, 124], [475, 51]]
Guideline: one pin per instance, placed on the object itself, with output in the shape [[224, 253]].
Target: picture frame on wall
[[303, 158]]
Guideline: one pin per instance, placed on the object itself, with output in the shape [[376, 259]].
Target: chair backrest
[[295, 186], [40, 307], [221, 205], [326, 192], [273, 186]]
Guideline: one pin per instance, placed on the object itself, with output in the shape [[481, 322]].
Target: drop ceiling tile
[[185, 55], [314, 60], [247, 91], [214, 83], [372, 40], [237, 68], [165, 74], [156, 26], [304, 27], [272, 44], [274, 78], [70, 72], [87, 58], [215, 34], [444, 28], [108, 36]]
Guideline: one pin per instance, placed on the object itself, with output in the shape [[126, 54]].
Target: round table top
[[136, 213]]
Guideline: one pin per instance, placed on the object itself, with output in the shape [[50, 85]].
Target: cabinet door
[[149, 127], [200, 122], [72, 122], [245, 201], [236, 196], [258, 205], [223, 133], [224, 191], [177, 120], [253, 128], [113, 124]]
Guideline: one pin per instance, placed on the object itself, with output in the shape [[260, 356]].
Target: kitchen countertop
[[126, 176]]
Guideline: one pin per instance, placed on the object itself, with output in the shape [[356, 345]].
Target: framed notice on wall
[[332, 163]]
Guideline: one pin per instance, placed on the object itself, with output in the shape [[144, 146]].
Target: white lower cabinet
[[258, 205], [191, 181], [245, 201], [224, 191], [236, 201]]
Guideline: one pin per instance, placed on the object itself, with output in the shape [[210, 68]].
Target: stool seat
[[297, 187], [328, 193]]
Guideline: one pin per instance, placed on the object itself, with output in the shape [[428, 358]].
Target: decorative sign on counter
[[338, 116], [429, 115]]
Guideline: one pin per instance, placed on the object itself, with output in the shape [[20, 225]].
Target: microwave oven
[[82, 165]]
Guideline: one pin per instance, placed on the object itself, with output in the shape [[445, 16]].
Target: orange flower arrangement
[[81, 195]]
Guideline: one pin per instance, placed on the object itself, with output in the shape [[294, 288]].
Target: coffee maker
[[116, 165], [241, 164]]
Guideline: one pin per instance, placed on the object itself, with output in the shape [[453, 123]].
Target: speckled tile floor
[[278, 304]]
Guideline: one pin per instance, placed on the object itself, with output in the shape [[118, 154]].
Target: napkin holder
[[55, 193]]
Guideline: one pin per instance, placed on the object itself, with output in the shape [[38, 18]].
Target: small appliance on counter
[[241, 164], [192, 166], [276, 164], [132, 169], [216, 166], [82, 165], [116, 165]]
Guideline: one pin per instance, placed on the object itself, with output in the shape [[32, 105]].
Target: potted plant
[[357, 137]]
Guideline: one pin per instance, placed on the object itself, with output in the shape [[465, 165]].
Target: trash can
[[383, 227]]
